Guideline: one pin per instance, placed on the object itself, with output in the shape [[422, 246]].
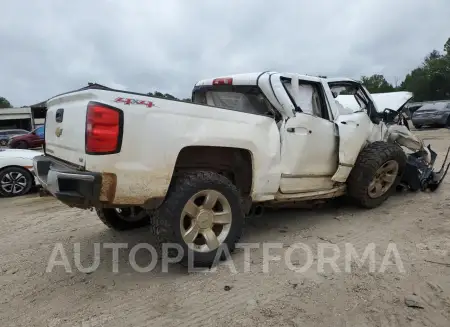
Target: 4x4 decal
[[130, 101]]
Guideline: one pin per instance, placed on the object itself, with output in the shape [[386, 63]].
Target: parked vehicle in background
[[432, 114], [6, 134], [412, 108], [33, 139], [16, 171]]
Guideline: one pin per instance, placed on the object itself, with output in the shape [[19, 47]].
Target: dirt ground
[[417, 224]]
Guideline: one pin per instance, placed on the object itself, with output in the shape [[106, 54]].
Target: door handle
[[59, 115], [350, 122], [298, 130]]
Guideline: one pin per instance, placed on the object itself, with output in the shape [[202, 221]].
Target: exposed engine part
[[420, 175]]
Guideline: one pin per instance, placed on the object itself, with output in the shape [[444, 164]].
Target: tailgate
[[65, 127]]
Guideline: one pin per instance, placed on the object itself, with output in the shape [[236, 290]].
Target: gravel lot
[[417, 223]]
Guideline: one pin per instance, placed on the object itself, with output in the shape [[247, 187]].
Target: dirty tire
[[368, 162], [111, 218], [166, 221]]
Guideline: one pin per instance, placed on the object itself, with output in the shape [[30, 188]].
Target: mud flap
[[419, 175]]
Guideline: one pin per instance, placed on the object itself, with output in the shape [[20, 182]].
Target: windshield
[[350, 96]]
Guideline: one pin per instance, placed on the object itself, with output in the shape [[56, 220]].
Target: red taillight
[[223, 81], [103, 129]]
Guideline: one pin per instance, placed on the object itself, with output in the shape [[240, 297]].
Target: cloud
[[50, 46]]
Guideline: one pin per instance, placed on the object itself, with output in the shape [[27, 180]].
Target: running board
[[325, 194]]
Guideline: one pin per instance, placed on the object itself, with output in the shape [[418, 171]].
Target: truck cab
[[305, 111]]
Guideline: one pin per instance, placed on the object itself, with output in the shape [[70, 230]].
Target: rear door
[[65, 127], [309, 140]]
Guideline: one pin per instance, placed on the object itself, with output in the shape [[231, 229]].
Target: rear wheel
[[15, 181], [122, 219], [21, 145], [376, 174], [202, 214]]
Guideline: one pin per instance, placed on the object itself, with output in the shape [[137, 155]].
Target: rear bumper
[[74, 188]]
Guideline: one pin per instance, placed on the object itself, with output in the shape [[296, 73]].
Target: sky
[[52, 46]]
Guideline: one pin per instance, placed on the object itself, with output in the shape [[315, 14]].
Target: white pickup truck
[[193, 171]]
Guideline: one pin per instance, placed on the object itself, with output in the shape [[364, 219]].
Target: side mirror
[[389, 115]]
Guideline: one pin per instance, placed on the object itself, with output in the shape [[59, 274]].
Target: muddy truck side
[[194, 171]]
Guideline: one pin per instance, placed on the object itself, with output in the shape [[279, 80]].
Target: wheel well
[[23, 141], [234, 163]]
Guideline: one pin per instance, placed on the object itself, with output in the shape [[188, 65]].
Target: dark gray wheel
[[121, 219], [15, 181], [202, 213], [376, 174], [21, 145]]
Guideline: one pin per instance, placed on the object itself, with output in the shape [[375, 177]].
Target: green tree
[[447, 47], [431, 80], [377, 84], [4, 103]]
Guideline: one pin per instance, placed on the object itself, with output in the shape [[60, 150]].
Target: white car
[[16, 171]]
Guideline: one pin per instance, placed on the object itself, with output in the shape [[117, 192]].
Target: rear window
[[238, 98], [40, 131]]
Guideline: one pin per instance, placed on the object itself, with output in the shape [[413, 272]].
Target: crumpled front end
[[419, 173]]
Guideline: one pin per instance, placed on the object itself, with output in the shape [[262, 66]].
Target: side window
[[40, 131], [248, 99], [350, 96], [309, 97]]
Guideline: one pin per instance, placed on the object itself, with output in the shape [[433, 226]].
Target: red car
[[34, 139]]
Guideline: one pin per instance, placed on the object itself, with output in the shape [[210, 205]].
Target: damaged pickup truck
[[194, 171]]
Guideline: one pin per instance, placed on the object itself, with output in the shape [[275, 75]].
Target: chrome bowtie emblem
[[58, 131]]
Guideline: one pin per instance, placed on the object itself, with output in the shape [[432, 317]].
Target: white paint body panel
[[153, 138], [308, 155], [17, 157], [354, 132]]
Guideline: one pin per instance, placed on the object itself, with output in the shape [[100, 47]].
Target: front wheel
[[447, 123], [122, 219], [376, 174], [202, 214]]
